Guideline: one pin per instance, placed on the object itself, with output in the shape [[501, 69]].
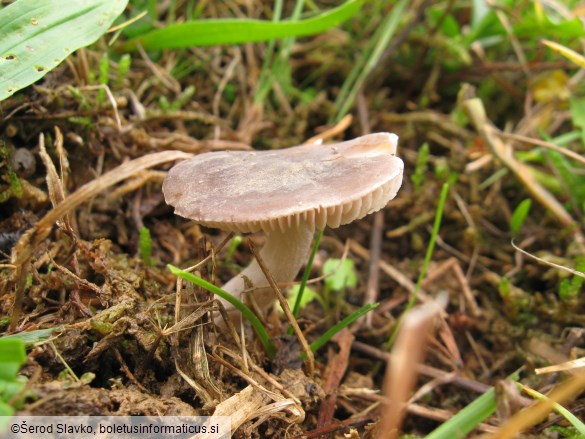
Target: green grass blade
[[275, 68], [370, 57], [246, 312], [570, 417], [469, 417], [36, 35], [264, 81], [237, 31], [519, 216], [432, 241], [425, 266], [145, 245], [307, 273], [342, 324]]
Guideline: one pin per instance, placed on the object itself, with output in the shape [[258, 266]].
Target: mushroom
[[286, 193]]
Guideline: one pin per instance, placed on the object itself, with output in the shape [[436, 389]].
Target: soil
[[128, 339]]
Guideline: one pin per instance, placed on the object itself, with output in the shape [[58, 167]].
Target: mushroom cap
[[319, 185]]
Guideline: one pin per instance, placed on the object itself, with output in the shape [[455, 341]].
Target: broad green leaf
[[5, 416], [12, 350], [5, 410], [236, 31], [308, 296], [340, 274], [36, 35], [12, 356], [32, 337], [9, 389]]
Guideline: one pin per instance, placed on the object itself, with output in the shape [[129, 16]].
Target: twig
[[536, 413], [372, 290], [395, 274], [320, 432], [432, 372], [286, 309], [335, 373], [567, 152], [336, 129], [127, 371]]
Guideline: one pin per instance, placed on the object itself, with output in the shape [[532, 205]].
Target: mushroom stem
[[284, 254]]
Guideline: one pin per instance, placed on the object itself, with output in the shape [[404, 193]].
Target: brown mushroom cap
[[320, 185]]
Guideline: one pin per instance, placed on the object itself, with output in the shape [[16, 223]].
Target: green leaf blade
[[341, 325], [36, 36], [246, 312], [12, 356], [237, 31], [519, 216]]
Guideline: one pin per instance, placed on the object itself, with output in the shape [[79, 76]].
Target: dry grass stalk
[[287, 311], [338, 128], [561, 150], [242, 406], [570, 366], [254, 400], [503, 152], [373, 287], [549, 263], [24, 248], [401, 374], [534, 414]]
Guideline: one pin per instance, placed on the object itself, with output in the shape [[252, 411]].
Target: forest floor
[[86, 236]]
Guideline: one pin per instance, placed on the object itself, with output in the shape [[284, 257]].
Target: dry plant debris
[[81, 168]]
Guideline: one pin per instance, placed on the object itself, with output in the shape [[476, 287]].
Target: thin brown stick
[[395, 274], [335, 373], [338, 128], [548, 145], [376, 238], [127, 371], [287, 312], [432, 372]]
